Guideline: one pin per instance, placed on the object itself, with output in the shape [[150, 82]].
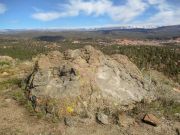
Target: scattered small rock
[[102, 118], [68, 121], [151, 119], [5, 74]]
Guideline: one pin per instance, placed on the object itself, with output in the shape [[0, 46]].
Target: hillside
[[84, 91]]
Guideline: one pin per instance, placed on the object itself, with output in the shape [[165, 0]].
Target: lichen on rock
[[88, 79]]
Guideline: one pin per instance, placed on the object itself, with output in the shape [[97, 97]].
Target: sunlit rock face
[[88, 78]]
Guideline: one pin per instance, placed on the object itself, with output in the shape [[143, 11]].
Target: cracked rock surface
[[88, 79]]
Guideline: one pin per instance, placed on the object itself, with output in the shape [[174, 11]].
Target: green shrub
[[9, 83], [4, 63]]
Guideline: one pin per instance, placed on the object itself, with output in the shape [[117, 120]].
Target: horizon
[[88, 14], [91, 27]]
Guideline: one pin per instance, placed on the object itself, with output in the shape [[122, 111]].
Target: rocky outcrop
[[86, 80]]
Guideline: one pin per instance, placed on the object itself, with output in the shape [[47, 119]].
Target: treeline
[[21, 53], [163, 59], [21, 50]]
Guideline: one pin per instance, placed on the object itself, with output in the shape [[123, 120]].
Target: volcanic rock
[[86, 79]]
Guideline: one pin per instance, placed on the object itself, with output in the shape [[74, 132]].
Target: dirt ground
[[16, 120]]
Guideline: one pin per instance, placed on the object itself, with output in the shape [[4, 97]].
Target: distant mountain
[[145, 28], [145, 32], [150, 33], [126, 27]]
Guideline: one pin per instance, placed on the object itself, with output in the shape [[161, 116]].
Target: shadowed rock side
[[87, 80]]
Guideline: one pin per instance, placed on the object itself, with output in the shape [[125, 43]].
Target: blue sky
[[18, 14]]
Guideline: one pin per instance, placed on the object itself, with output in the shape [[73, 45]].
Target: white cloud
[[166, 15], [123, 13], [127, 12], [46, 16], [2, 8]]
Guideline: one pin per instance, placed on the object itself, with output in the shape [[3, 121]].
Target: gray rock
[[68, 122], [87, 75], [102, 118]]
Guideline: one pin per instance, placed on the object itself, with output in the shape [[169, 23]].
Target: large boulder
[[86, 80]]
